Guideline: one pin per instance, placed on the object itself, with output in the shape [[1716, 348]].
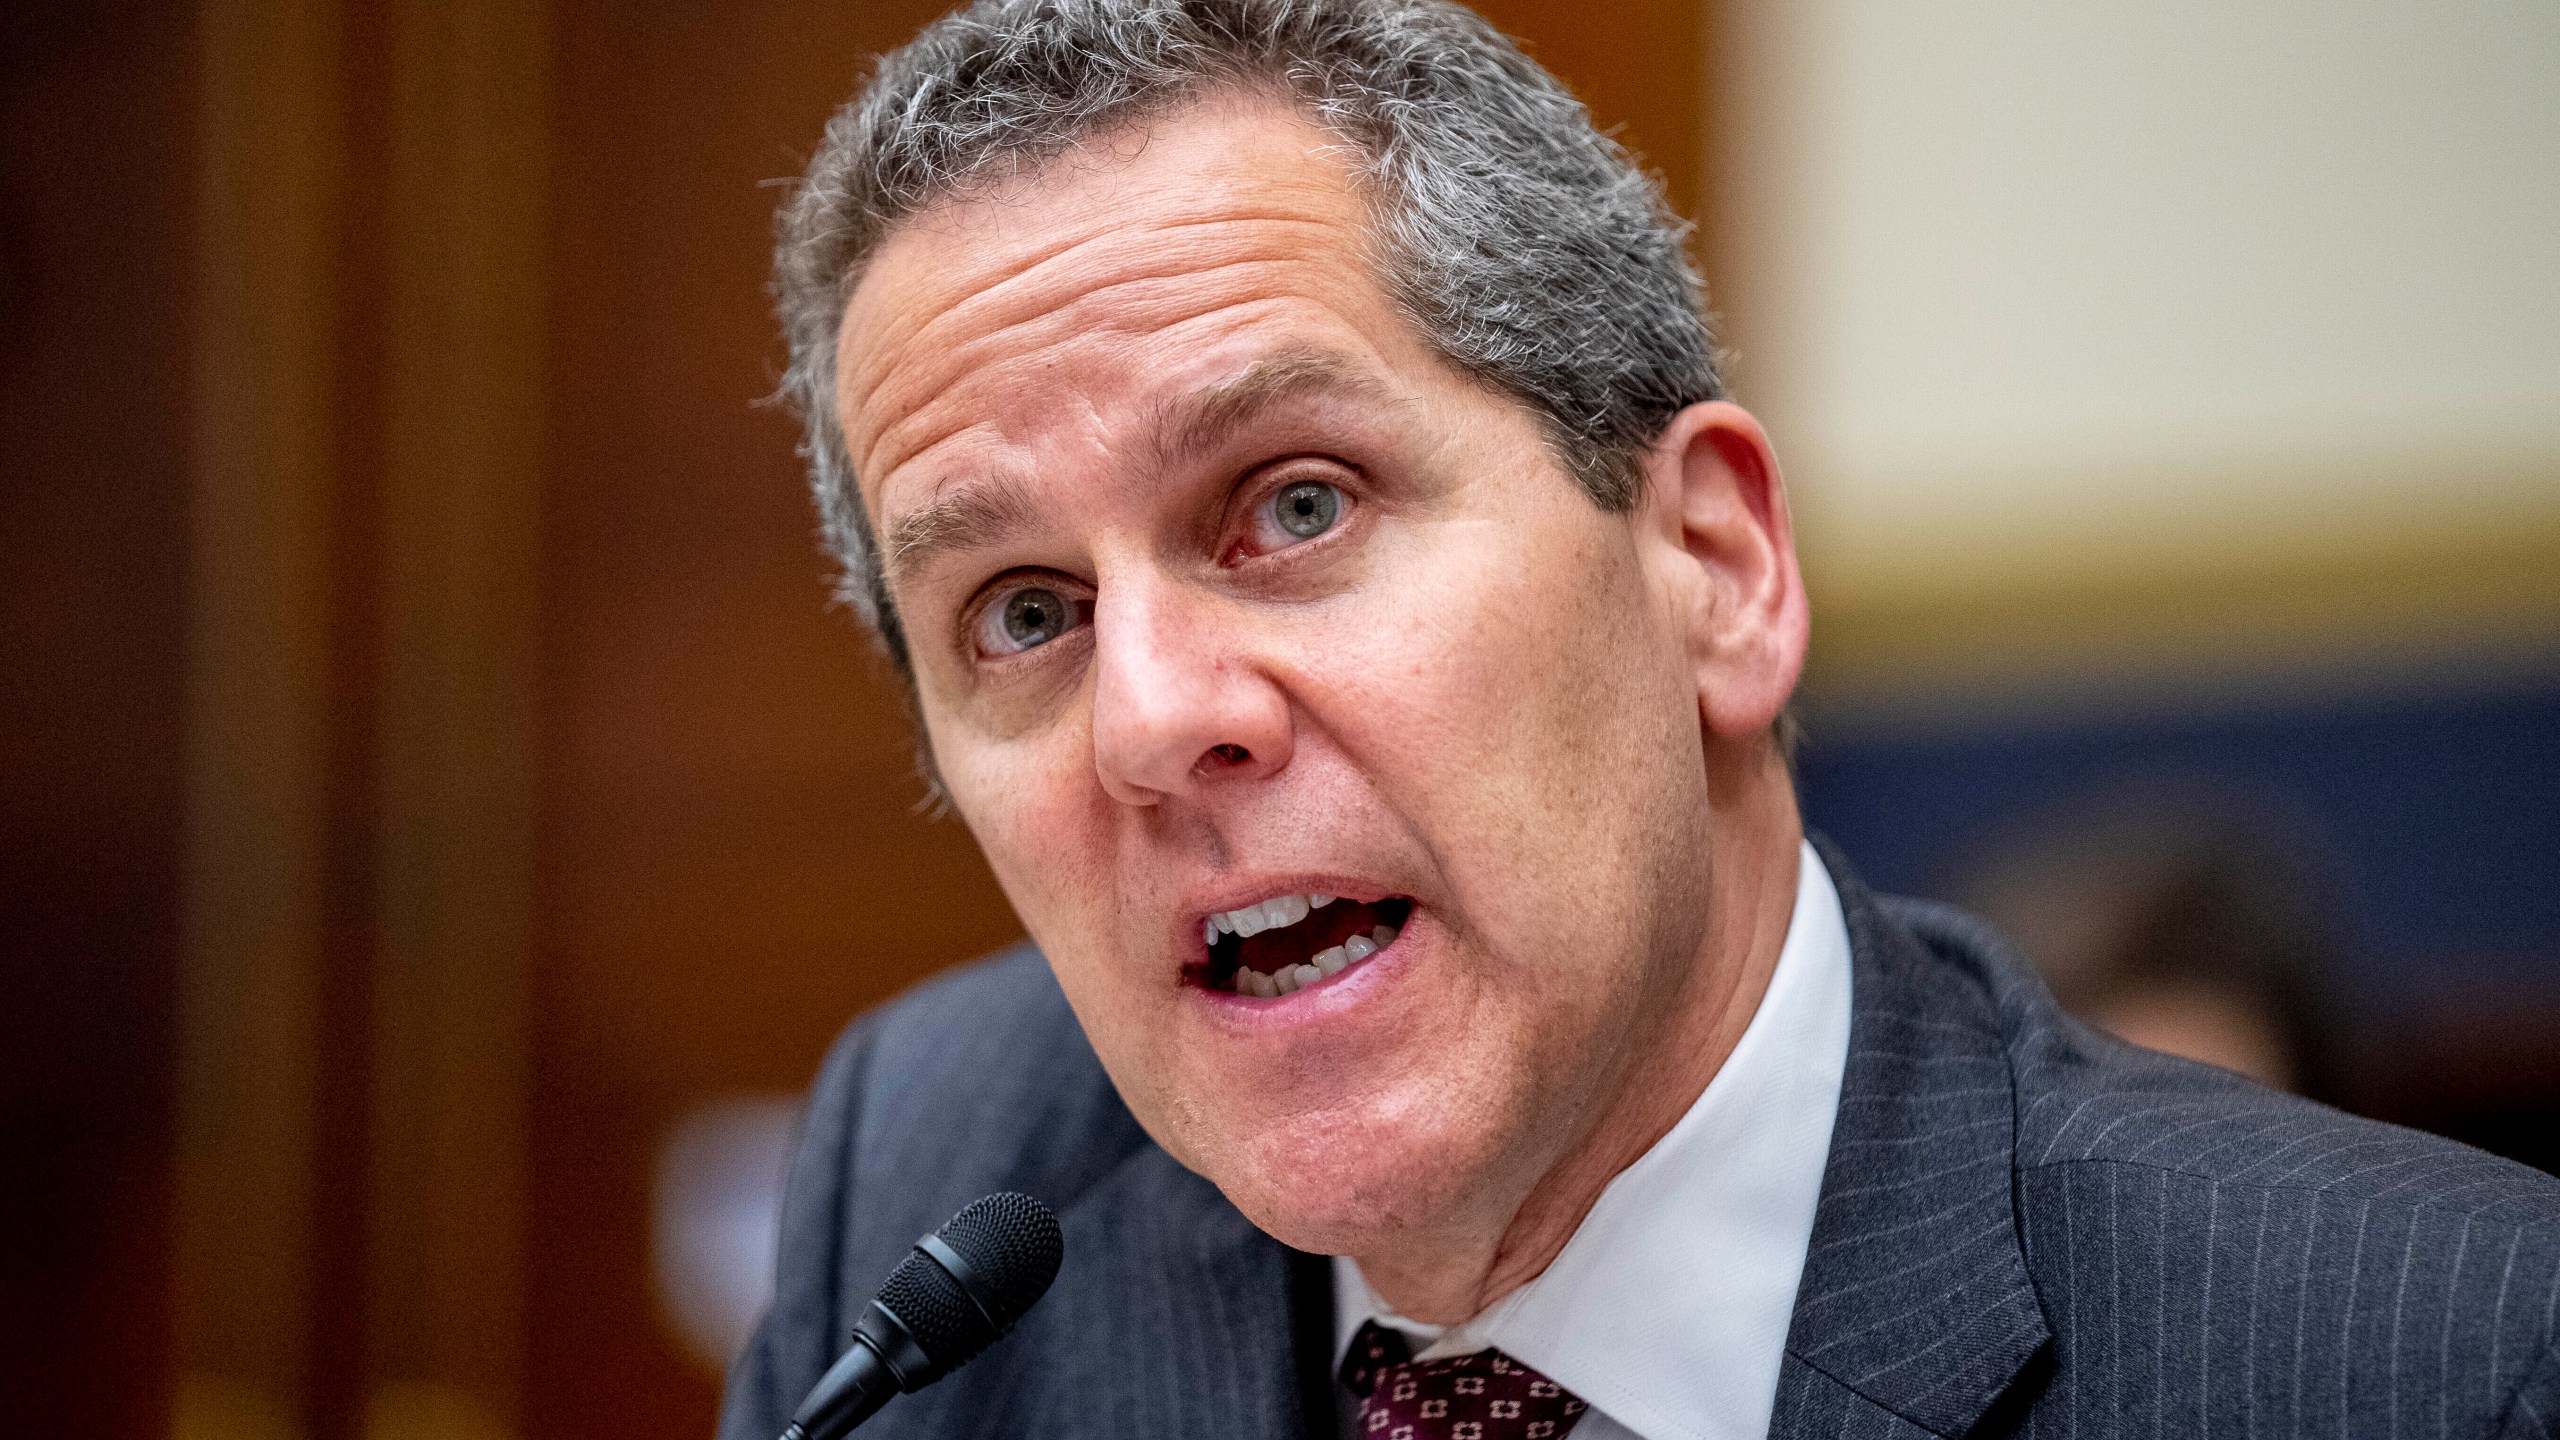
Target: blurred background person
[[2161, 917]]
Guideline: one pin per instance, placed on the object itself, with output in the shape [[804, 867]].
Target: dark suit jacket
[[2025, 1229]]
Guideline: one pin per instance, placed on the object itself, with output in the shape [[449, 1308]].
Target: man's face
[[1222, 588]]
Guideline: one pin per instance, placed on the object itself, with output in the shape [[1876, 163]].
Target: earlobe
[[1724, 507]]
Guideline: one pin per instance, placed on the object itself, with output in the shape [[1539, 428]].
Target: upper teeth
[[1270, 914]]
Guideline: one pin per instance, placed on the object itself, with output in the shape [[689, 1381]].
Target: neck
[[1755, 834]]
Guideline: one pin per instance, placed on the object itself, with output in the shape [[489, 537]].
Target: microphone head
[[1007, 1248], [1013, 1243]]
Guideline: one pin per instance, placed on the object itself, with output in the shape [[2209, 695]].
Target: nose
[[1179, 706]]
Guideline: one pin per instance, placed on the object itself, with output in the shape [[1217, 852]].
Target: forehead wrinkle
[[1163, 238], [1016, 258], [861, 377], [938, 387], [990, 309], [1331, 198], [1333, 195]]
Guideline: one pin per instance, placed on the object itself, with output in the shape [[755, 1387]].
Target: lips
[[1276, 947]]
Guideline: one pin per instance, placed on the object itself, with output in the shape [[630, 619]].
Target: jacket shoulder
[[977, 1080], [2367, 1275]]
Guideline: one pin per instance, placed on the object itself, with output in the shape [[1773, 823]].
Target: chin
[[1334, 1186]]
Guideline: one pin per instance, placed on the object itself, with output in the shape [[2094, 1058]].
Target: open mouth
[[1282, 945]]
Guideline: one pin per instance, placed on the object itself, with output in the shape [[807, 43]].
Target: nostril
[[1227, 755]]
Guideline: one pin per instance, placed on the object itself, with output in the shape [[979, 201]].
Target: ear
[[1714, 516]]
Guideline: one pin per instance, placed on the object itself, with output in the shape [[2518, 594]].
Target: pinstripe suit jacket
[[2025, 1229]]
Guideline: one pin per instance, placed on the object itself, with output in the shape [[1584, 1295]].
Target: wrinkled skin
[[1546, 724]]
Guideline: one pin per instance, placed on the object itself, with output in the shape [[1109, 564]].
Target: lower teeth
[[1325, 964]]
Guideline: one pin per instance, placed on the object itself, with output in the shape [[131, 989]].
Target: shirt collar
[[1668, 1309]]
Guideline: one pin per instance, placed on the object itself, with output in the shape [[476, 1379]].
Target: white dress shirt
[[1668, 1308]]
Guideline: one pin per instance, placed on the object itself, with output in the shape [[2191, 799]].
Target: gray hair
[[1526, 247]]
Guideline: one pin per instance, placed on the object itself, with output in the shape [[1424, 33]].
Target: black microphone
[[959, 1291]]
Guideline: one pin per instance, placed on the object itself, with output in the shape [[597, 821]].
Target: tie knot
[[1374, 1349], [1483, 1396]]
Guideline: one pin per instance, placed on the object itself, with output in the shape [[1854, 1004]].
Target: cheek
[[1061, 850], [1524, 707], [1045, 828]]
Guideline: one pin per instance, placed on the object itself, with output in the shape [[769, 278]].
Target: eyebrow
[[1200, 420], [978, 513], [971, 515]]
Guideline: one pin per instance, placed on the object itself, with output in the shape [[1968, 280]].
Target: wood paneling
[[731, 864], [367, 476], [265, 442], [463, 341], [96, 140]]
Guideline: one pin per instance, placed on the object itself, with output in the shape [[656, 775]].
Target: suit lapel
[[1915, 1297]]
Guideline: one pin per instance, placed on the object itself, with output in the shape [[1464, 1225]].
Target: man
[[1279, 440]]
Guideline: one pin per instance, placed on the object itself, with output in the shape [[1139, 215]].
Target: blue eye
[[1026, 619], [1307, 509]]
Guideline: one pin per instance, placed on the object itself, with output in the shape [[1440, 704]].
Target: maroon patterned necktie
[[1483, 1396]]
